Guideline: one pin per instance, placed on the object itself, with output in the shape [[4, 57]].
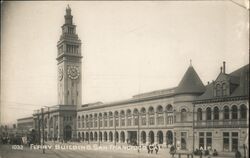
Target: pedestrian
[[172, 150], [237, 154], [148, 148], [156, 148], [151, 147]]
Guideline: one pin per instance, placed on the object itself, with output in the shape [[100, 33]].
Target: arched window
[[87, 121], [91, 120], [143, 137], [95, 136], [216, 113], [83, 138], [91, 136], [169, 108], [122, 137], [160, 137], [105, 136], [95, 120], [143, 116], [87, 136], [83, 121], [105, 119], [199, 114], [169, 113], [243, 111], [218, 90], [226, 112], [234, 112], [183, 115], [100, 119], [136, 117], [209, 113], [224, 89], [100, 136], [160, 118], [151, 115], [116, 136], [110, 136], [129, 117], [111, 120], [116, 118], [122, 114], [151, 137], [79, 123]]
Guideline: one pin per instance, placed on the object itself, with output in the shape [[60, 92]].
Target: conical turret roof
[[190, 83]]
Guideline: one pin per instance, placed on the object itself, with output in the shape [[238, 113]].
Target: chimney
[[208, 82], [224, 67]]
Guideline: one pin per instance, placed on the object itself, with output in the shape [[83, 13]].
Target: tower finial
[[190, 62]]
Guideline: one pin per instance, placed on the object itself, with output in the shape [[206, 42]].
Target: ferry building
[[189, 116]]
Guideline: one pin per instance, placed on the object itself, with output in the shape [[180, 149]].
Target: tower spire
[[68, 17], [190, 62]]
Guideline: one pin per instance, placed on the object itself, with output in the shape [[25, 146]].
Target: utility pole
[[138, 132], [43, 129], [39, 132], [115, 130]]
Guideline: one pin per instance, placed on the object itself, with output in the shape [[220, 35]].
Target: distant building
[[189, 116], [24, 125]]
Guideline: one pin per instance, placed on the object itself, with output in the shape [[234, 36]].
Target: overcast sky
[[128, 48]]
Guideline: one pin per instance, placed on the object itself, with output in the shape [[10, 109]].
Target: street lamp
[[138, 131]]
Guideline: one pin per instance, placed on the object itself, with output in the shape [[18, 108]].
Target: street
[[7, 151]]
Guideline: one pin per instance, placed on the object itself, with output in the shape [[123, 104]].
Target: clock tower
[[69, 64]]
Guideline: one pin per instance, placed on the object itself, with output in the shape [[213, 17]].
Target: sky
[[128, 48]]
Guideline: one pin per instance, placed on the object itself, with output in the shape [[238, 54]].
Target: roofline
[[127, 102], [24, 118], [221, 99]]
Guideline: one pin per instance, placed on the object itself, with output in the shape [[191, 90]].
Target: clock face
[[60, 74], [73, 72]]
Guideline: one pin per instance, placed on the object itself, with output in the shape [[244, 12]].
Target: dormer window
[[218, 90], [224, 89]]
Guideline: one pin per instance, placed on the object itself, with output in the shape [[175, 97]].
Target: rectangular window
[[111, 122], [105, 122], [136, 120], [183, 140], [143, 120], [209, 140], [160, 119], [100, 123], [234, 141], [129, 121], [225, 141], [170, 120], [151, 120], [95, 123], [201, 140], [123, 121], [116, 122]]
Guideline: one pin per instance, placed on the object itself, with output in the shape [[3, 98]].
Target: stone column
[[155, 115]]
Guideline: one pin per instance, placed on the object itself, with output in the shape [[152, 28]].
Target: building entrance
[[67, 132], [132, 138]]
